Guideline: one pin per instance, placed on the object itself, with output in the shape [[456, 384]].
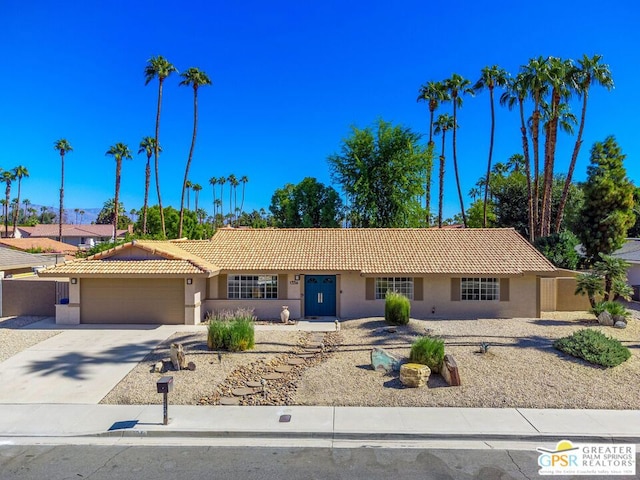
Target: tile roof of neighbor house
[[123, 268], [70, 230], [630, 251], [490, 251], [42, 243], [14, 259]]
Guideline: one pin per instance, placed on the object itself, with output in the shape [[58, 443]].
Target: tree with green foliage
[[7, 177], [382, 169], [441, 125], [634, 231], [607, 212], [147, 145], [560, 249], [192, 228], [309, 204], [614, 272], [195, 78], [63, 147], [107, 216], [20, 172], [119, 152], [476, 215]]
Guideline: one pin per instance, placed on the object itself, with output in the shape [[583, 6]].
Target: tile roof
[[14, 259], [71, 230], [489, 251], [46, 244], [123, 268], [630, 251]]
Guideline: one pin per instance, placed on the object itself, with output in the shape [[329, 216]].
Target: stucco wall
[[566, 299], [633, 274], [28, 297]]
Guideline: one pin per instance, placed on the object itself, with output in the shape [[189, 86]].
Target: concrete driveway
[[79, 365]]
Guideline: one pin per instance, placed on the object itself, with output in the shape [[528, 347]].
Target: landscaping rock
[[381, 360], [620, 324], [605, 319], [178, 358], [158, 367], [619, 318], [449, 371], [414, 375], [191, 366]]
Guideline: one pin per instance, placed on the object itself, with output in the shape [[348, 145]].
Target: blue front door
[[320, 295]]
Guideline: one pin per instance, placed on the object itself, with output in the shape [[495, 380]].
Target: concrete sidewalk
[[335, 423]]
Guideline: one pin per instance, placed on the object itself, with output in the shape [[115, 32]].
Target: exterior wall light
[[74, 281], [296, 278], [189, 281]]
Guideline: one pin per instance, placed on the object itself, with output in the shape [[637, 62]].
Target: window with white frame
[[479, 289], [252, 286], [403, 285]]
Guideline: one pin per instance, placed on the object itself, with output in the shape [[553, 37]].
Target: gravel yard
[[13, 340], [521, 369]]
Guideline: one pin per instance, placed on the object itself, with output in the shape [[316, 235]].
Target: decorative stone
[[449, 371], [619, 318], [178, 358], [254, 384], [381, 360], [272, 376], [241, 392], [414, 375], [295, 361], [191, 366], [284, 314], [158, 367], [620, 324], [605, 319], [229, 401], [283, 369]]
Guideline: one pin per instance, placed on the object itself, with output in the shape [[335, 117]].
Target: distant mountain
[[90, 214]]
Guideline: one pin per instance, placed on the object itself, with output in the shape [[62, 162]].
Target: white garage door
[[132, 300]]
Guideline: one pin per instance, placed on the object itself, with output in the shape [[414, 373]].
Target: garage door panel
[[132, 300]]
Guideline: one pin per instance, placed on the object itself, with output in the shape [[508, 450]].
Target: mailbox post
[[165, 385]]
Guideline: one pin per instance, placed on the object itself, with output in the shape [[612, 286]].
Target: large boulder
[[605, 319], [449, 371], [414, 375], [620, 324], [381, 360]]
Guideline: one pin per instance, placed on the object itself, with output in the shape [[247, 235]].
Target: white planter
[[284, 314]]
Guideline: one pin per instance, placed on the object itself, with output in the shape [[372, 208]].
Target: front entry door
[[320, 295]]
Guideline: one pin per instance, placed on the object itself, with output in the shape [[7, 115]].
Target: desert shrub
[[594, 347], [614, 308], [397, 308], [428, 351], [233, 331]]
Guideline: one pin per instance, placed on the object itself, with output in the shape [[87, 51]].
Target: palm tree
[[442, 124], [474, 193], [161, 68], [221, 182], [20, 172], [213, 181], [188, 186], [134, 213], [197, 188], [148, 146], [589, 72], [7, 177], [26, 202], [433, 93], [457, 87], [491, 77], [195, 78], [244, 180], [217, 205], [233, 183], [516, 92], [76, 210], [118, 151], [62, 146], [82, 212]]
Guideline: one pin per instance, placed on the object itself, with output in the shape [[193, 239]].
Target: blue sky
[[289, 79]]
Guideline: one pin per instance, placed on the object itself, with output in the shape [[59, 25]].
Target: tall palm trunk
[[550, 147], [527, 170], [7, 193], [242, 198], [186, 170], [535, 137], [430, 151], [572, 165], [487, 186], [61, 196], [117, 197], [441, 182], [221, 203], [455, 166], [17, 209], [155, 153], [147, 181]]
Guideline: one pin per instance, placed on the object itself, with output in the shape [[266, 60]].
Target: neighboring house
[[41, 245], [630, 252], [82, 236], [446, 273], [14, 262]]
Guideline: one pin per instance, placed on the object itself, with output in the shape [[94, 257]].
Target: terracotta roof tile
[[46, 244], [124, 267], [71, 230]]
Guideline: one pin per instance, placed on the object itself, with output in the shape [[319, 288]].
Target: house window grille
[[479, 289], [403, 285], [252, 286]]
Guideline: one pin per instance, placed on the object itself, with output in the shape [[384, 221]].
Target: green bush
[[428, 351], [233, 331], [397, 308], [594, 347], [614, 308]]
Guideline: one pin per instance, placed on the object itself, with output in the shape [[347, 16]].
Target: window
[[479, 289], [252, 286], [403, 285]]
